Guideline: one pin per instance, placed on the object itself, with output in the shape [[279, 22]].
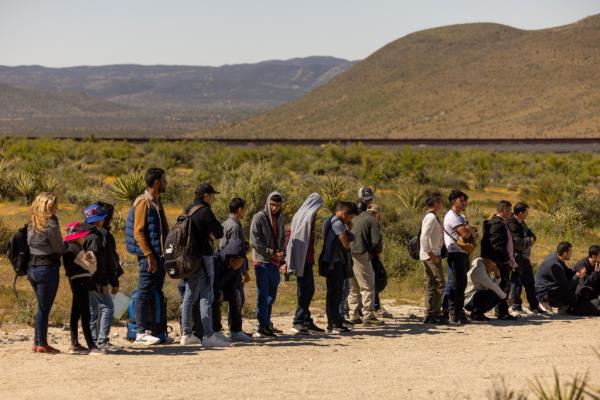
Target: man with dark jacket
[[367, 243], [145, 232], [554, 283], [204, 229], [267, 239], [497, 245], [523, 240], [587, 302], [591, 263]]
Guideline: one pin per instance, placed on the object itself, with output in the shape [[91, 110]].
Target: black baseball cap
[[205, 188], [365, 193]]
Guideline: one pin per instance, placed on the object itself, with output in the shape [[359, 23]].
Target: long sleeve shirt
[[432, 236]]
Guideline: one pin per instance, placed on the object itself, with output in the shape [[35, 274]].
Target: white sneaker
[[221, 336], [146, 339], [214, 341], [544, 305], [189, 339]]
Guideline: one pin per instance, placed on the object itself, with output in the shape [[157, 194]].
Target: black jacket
[[204, 223], [96, 243], [494, 241], [113, 263], [522, 236], [71, 267], [552, 274]]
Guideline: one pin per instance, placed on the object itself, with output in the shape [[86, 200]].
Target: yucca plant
[[24, 186], [128, 187], [575, 390], [332, 192], [5, 178], [48, 184], [411, 198]]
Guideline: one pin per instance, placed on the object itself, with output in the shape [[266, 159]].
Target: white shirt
[[452, 220], [479, 279], [432, 238]]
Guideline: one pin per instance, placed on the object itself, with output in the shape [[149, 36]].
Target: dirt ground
[[402, 360]]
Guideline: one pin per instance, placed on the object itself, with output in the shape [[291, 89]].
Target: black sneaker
[[264, 333], [312, 328], [300, 330], [275, 330], [478, 317], [462, 320], [373, 322], [538, 311], [356, 321], [337, 329], [348, 322], [507, 317], [517, 307], [429, 320]]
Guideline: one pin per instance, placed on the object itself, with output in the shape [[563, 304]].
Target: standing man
[[457, 231], [267, 238], [432, 242], [300, 258], [205, 228], [523, 240], [335, 260], [367, 242], [145, 233], [497, 245]]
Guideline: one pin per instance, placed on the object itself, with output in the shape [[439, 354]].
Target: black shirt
[[204, 223]]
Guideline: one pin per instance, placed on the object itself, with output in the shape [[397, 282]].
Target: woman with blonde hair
[[46, 247]]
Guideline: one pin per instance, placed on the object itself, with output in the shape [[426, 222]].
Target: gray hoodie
[[47, 241], [262, 237]]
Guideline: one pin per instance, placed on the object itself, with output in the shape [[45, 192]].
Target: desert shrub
[[48, 183], [24, 186], [128, 187], [333, 192], [411, 197]]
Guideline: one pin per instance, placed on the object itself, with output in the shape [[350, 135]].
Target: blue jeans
[[101, 315], [267, 281], [199, 286], [148, 284], [44, 280], [449, 284], [344, 307]]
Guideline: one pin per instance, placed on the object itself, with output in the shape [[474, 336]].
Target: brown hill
[[464, 81]]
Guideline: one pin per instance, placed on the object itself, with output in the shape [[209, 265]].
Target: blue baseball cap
[[94, 213]]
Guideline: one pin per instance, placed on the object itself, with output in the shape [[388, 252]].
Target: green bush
[[128, 187]]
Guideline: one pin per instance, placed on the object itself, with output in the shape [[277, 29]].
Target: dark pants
[[80, 309], [267, 282], [559, 297], [458, 263], [446, 296], [523, 279], [148, 283], [482, 302], [232, 293], [335, 294], [44, 280], [502, 306], [305, 290]]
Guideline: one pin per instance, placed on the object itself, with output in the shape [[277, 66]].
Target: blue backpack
[[158, 314]]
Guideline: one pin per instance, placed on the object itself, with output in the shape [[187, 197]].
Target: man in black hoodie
[[497, 245], [554, 281], [523, 240], [204, 229]]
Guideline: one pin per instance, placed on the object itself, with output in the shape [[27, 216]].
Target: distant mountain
[[477, 80]]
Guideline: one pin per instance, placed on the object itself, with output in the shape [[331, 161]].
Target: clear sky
[[60, 33]]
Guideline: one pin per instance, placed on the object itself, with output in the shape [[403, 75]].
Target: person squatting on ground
[[204, 229], [367, 243], [145, 233], [458, 235], [497, 245], [522, 277], [80, 265], [432, 243], [300, 258], [554, 283], [267, 239], [483, 290], [46, 247]]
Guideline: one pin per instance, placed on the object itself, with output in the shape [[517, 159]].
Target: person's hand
[[151, 264], [246, 278], [349, 225], [212, 236], [581, 273], [103, 289], [434, 259], [278, 256], [282, 268], [114, 290], [597, 267], [533, 239]]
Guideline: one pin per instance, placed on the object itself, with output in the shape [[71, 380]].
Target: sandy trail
[[403, 360]]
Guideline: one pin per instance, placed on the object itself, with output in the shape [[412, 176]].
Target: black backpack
[[381, 278], [178, 261], [17, 252]]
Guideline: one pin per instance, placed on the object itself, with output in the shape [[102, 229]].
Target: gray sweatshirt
[[262, 233], [47, 241]]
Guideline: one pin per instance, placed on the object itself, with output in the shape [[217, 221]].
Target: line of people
[[503, 269], [349, 261]]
